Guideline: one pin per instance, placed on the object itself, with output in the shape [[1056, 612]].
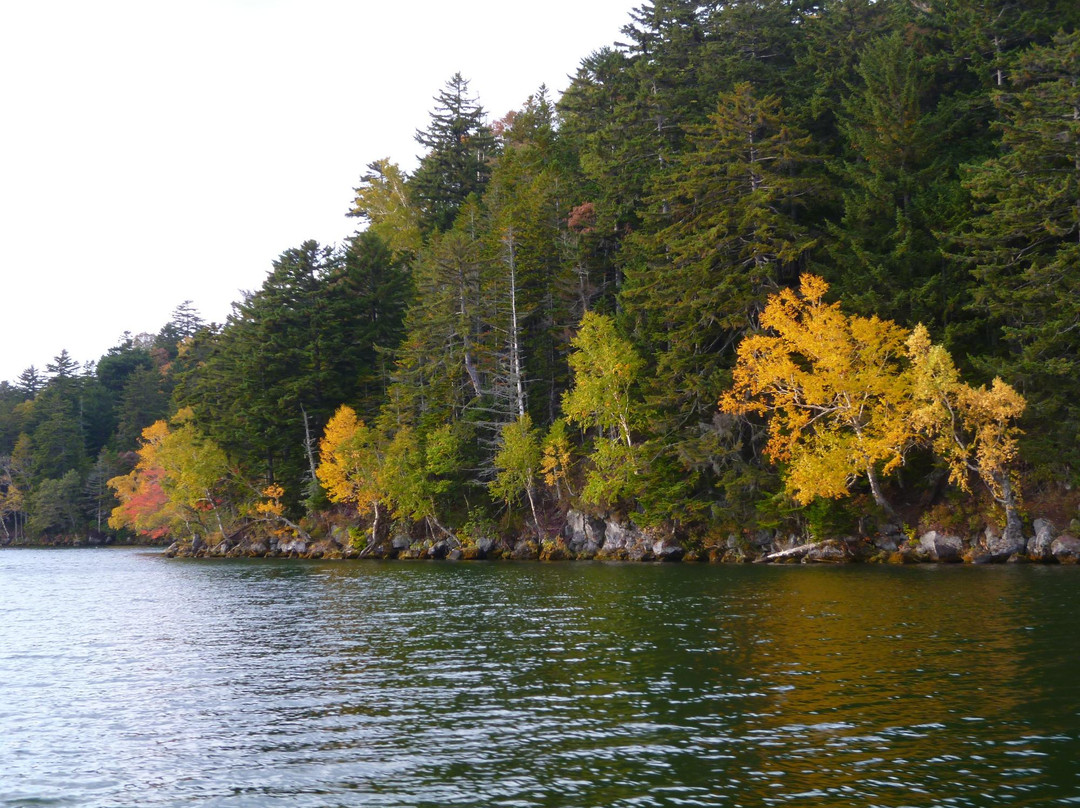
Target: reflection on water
[[127, 678]]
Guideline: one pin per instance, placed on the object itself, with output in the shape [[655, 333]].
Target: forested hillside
[[548, 311]]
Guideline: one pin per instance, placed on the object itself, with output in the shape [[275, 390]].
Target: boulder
[[668, 549], [293, 547], [1066, 548], [888, 538], [525, 550], [999, 546], [940, 547], [833, 551], [584, 535], [438, 550], [400, 541], [1039, 545]]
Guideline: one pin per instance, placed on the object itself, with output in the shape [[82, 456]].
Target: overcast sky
[[154, 152]]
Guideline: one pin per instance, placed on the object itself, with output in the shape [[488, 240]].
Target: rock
[[888, 538], [257, 549], [584, 534], [903, 556], [197, 544], [1039, 546], [455, 554], [618, 538], [324, 548], [999, 546], [400, 542], [172, 550], [1066, 548], [525, 550], [939, 547], [668, 549], [438, 550], [294, 547], [833, 551], [554, 550], [484, 546], [764, 540]]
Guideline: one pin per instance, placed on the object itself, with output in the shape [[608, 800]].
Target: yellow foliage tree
[[973, 429], [835, 389], [351, 463], [848, 396]]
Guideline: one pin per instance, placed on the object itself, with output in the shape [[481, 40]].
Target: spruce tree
[[1023, 243], [460, 148]]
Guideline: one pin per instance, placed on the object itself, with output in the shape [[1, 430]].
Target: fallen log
[[794, 552]]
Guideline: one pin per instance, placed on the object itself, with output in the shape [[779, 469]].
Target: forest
[[765, 265]]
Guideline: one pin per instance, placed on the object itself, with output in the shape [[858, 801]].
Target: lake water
[[130, 679]]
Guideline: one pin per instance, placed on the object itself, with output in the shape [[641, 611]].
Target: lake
[[130, 679]]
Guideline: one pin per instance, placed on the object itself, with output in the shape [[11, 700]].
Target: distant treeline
[[546, 313]]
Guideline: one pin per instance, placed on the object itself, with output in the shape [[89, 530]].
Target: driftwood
[[794, 552]]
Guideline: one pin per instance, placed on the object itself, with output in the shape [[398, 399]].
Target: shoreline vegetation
[[770, 282]]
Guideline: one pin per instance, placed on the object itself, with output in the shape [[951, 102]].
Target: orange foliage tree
[[177, 482]]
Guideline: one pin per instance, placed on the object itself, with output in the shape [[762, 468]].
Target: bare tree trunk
[[1014, 526], [879, 498], [217, 515], [532, 507], [309, 444], [794, 552], [515, 345]]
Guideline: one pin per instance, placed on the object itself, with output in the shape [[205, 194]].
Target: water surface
[[130, 679]]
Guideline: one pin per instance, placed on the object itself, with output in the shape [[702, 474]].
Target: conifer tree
[[899, 190], [460, 147], [1023, 242], [724, 234]]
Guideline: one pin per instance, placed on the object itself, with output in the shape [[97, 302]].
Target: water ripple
[[127, 678]]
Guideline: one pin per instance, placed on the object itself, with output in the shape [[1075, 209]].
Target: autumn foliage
[[847, 397], [176, 485]]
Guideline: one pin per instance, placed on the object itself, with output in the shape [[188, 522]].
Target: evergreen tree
[[1023, 243], [31, 382], [899, 189], [724, 234], [460, 147]]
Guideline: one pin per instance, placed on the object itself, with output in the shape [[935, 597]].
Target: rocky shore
[[584, 537]]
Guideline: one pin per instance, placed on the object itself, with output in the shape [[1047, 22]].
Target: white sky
[[153, 152]]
